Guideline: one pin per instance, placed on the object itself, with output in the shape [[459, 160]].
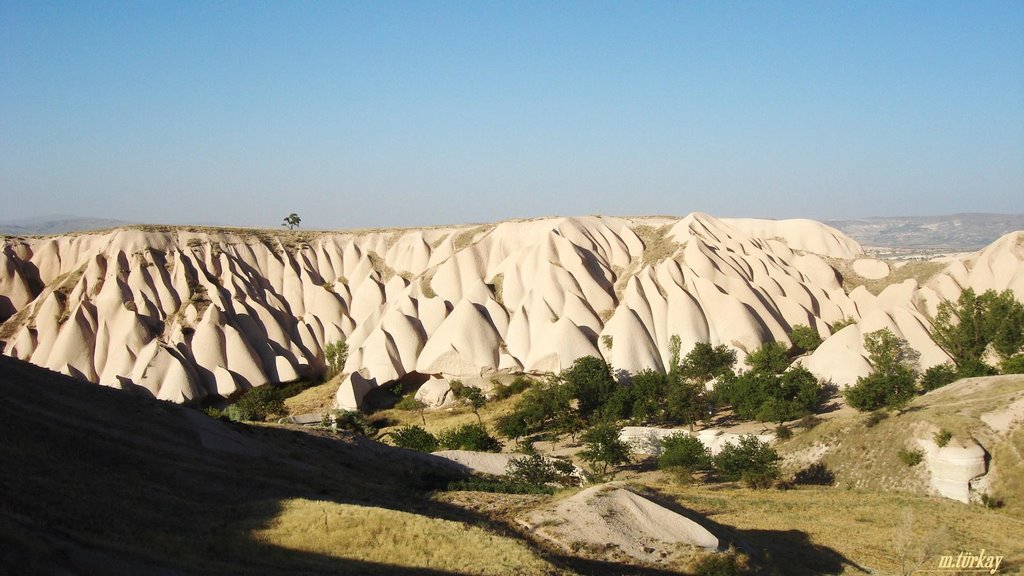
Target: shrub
[[942, 437], [718, 564], [843, 323], [783, 433], [468, 437], [911, 457], [758, 480], [804, 339], [409, 402], [604, 448], [414, 438], [817, 474], [538, 470], [874, 418], [877, 391], [518, 384], [749, 455], [353, 421], [684, 451], [894, 373], [476, 484], [1013, 365], [257, 404], [938, 376], [991, 502]]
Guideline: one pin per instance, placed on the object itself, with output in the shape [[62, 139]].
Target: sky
[[376, 113]]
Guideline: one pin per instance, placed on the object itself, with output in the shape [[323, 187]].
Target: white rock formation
[[647, 439], [184, 313], [607, 515], [870, 268], [954, 466]]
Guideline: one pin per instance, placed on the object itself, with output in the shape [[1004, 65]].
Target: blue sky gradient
[[418, 113]]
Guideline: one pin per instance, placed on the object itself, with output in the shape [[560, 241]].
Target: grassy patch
[[396, 538], [466, 237], [806, 530], [921, 271], [657, 245], [315, 399]]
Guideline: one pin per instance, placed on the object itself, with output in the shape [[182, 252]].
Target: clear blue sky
[[414, 113]]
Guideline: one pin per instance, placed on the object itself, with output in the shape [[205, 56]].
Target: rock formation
[[184, 313]]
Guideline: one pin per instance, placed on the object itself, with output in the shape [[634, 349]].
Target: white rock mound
[[607, 515], [954, 466]]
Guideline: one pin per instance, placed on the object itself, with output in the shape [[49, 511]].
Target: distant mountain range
[[55, 224], [954, 232]]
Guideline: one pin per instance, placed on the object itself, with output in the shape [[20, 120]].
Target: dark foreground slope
[[96, 481]]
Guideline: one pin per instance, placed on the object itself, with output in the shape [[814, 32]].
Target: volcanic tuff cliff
[[184, 313]]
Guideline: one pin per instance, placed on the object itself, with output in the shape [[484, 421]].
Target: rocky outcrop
[[182, 313], [611, 516], [954, 466]]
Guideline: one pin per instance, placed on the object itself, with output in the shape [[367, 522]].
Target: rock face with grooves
[[181, 314], [952, 467]]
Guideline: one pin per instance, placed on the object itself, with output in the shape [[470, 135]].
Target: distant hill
[[956, 231], [55, 224]]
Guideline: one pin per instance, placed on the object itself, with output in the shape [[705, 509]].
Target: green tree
[[687, 399], [544, 404], [536, 470], [336, 354], [473, 398], [414, 438], [511, 426], [771, 358], [1013, 365], [768, 397], [688, 402], [648, 395], [750, 459], [468, 437], [604, 448], [966, 328], [891, 384], [684, 451], [938, 376], [591, 383], [292, 221], [705, 362], [804, 339]]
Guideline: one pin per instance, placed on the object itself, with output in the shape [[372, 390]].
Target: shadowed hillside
[[96, 481]]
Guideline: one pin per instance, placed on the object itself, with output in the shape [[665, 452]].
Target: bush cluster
[[537, 470], [749, 459], [414, 438], [257, 404], [911, 457], [468, 437], [684, 451]]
